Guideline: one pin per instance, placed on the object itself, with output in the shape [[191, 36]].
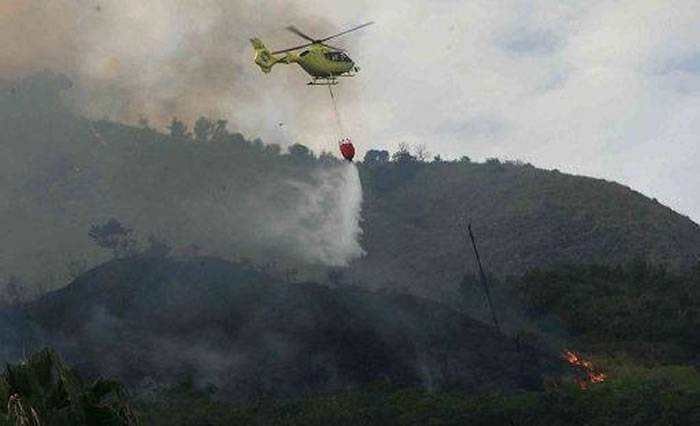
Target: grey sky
[[603, 88]]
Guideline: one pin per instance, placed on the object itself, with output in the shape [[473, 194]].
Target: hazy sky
[[603, 88]]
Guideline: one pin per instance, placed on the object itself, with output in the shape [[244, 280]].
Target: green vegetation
[[666, 398], [634, 395], [42, 391], [641, 310], [523, 217]]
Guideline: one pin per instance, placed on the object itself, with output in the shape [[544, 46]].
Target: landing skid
[[323, 82], [328, 81]]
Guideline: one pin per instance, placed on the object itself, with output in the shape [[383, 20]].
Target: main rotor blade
[[347, 31], [332, 47], [291, 48], [298, 32]]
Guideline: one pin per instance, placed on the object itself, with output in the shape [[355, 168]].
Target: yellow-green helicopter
[[324, 63]]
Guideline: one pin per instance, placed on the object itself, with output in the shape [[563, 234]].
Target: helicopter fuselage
[[324, 63], [321, 62]]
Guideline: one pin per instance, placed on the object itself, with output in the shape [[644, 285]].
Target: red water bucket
[[347, 149]]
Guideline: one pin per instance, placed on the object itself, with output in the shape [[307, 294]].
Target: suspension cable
[[341, 128]]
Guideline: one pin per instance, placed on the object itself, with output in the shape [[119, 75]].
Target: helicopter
[[323, 62]]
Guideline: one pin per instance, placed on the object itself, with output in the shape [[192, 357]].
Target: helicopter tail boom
[[263, 58]]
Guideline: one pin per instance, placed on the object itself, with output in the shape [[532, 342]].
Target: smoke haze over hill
[[607, 89], [219, 194], [222, 196]]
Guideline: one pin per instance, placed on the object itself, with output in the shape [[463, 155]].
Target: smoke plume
[[163, 58]]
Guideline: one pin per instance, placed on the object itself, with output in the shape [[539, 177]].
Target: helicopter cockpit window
[[337, 57]]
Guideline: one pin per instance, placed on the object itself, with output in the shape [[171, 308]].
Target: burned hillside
[[247, 334]]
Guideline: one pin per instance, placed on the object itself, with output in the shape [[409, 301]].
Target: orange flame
[[590, 373]]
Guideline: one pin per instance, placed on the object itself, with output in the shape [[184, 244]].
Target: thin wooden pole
[[484, 282]]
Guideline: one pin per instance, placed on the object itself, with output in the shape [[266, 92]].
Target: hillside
[[226, 196], [220, 324], [523, 217], [222, 331], [238, 304]]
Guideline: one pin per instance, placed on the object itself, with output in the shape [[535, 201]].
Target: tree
[[258, 144], [495, 164], [178, 129], [219, 132], [376, 157], [42, 391], [421, 152], [326, 157], [273, 149], [114, 236], [516, 162], [465, 159], [301, 152], [403, 154], [203, 129]]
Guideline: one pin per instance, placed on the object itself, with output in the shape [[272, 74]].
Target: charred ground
[[249, 334]]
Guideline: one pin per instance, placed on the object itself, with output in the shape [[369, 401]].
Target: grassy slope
[[662, 398], [523, 217]]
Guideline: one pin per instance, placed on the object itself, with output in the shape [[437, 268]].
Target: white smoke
[[323, 226]]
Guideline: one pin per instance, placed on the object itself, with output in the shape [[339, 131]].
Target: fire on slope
[[589, 374]]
